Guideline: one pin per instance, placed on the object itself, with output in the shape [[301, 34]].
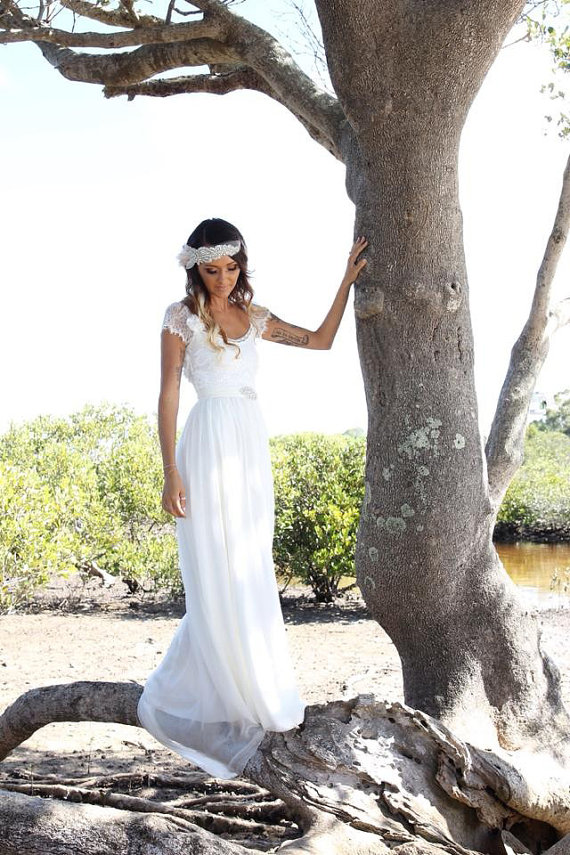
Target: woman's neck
[[219, 304]]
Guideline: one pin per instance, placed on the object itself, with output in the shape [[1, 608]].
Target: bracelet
[[169, 466]]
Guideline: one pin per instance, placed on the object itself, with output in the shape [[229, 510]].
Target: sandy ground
[[105, 635]]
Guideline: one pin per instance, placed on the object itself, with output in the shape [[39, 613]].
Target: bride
[[227, 677]]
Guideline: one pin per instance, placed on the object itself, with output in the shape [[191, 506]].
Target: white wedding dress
[[227, 676]]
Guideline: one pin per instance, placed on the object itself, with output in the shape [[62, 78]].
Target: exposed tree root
[[357, 776], [224, 818], [81, 701], [378, 766], [35, 826], [195, 781]]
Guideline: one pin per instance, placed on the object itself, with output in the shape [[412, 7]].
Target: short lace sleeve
[[176, 321], [259, 317]]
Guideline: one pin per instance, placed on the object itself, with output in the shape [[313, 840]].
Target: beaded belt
[[227, 392]]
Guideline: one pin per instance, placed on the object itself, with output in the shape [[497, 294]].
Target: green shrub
[[319, 486], [537, 502], [79, 491], [86, 490]]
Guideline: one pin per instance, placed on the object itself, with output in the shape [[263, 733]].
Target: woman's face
[[220, 277]]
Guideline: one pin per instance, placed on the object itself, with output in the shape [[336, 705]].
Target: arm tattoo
[[281, 335]]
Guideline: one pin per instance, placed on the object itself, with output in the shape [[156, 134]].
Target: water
[[542, 570]]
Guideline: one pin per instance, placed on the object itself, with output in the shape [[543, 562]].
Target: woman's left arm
[[282, 332]]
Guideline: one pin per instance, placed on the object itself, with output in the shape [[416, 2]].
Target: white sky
[[98, 196]]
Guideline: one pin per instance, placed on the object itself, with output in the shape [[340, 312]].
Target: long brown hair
[[210, 233]]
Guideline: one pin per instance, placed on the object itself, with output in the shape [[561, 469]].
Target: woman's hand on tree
[[174, 494], [283, 332], [354, 266]]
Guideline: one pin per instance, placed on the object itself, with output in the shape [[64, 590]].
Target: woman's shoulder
[[179, 319], [178, 308], [256, 309], [259, 316]]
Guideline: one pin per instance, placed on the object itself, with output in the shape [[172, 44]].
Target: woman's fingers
[[181, 506], [358, 246], [174, 504], [175, 510], [354, 265]]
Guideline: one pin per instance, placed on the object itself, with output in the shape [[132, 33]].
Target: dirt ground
[[87, 632]]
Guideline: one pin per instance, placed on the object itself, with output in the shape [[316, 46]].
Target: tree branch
[[81, 701], [113, 17], [239, 77], [123, 69], [212, 84], [217, 813], [504, 448], [220, 39], [151, 34]]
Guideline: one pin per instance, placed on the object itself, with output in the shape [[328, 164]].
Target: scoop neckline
[[232, 340], [242, 337]]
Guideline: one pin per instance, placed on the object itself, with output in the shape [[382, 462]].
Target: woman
[[226, 677]]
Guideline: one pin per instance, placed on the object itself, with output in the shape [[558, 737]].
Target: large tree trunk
[[426, 565]]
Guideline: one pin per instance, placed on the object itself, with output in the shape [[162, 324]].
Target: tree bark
[[81, 701]]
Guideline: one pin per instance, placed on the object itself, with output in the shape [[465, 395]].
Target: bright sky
[[98, 197]]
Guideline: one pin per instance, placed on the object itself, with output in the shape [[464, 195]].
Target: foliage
[[547, 22], [86, 490], [78, 491], [557, 418], [537, 503], [319, 486]]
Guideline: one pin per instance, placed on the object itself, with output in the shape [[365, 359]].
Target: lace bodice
[[207, 368]]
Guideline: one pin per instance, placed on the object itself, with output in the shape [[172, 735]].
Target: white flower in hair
[[189, 256]]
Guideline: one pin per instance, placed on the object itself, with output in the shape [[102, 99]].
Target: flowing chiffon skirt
[[227, 676]]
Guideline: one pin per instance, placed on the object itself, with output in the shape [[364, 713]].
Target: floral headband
[[189, 256]]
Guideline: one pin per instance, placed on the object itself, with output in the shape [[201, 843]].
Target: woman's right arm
[[172, 361]]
